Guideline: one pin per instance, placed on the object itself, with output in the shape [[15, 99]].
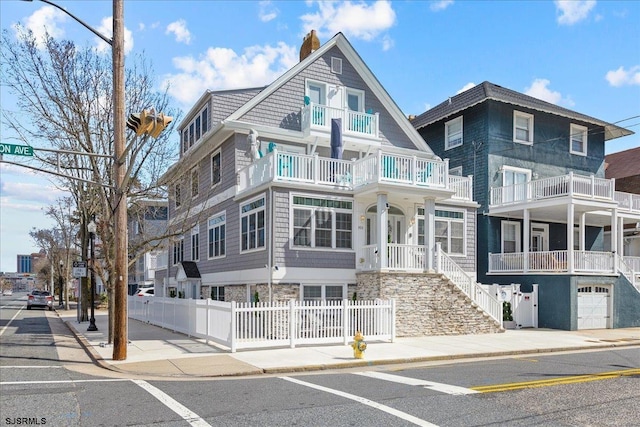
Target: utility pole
[[120, 202]]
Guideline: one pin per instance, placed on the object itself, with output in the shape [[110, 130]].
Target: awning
[[187, 270]]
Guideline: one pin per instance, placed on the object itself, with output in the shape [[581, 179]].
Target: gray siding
[[282, 108]]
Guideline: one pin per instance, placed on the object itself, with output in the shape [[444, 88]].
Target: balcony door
[[514, 184]]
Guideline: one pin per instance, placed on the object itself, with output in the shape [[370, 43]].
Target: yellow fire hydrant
[[359, 346]]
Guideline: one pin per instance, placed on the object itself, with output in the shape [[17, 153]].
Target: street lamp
[[91, 228]]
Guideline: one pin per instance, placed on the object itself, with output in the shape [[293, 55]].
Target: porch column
[[383, 229], [570, 211], [581, 230], [614, 229], [429, 232], [621, 236], [527, 240]]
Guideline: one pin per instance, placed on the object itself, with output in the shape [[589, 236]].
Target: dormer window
[[194, 131]]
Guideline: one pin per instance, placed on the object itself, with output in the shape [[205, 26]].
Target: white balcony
[[408, 172], [316, 119]]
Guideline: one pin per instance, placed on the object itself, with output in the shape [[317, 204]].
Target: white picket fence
[[260, 325]]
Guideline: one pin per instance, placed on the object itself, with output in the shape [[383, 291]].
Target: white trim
[[262, 208], [210, 227], [195, 170], [544, 233], [321, 85], [575, 130], [217, 152], [323, 290], [358, 93], [518, 233], [529, 118], [195, 231], [336, 65], [447, 125]]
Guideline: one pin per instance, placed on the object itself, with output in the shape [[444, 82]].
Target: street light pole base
[[92, 326]]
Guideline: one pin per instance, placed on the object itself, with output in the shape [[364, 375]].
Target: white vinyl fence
[[259, 325]]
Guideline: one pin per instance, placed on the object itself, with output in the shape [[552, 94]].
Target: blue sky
[[583, 55]]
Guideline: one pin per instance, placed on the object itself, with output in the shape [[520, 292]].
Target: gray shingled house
[[317, 187]]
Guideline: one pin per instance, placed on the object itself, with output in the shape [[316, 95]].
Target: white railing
[[630, 268], [627, 201], [467, 284], [571, 184], [553, 262], [260, 325], [318, 117], [348, 175]]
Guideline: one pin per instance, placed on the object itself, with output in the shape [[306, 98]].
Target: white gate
[[593, 307]]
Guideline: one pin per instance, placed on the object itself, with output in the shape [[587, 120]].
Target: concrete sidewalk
[[157, 351]]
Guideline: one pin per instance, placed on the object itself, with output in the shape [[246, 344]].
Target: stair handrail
[[467, 284], [627, 271]]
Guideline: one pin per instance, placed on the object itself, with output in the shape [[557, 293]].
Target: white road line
[[188, 415], [371, 403], [443, 388], [7, 325], [59, 381]]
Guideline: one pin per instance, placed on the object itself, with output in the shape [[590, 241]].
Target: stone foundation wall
[[426, 304], [279, 292]]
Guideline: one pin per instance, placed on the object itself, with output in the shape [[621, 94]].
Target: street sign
[[17, 150], [79, 269]]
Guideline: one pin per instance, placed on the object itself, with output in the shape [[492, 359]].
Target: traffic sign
[[17, 150], [79, 269]]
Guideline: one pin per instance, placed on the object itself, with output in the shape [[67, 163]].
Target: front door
[[539, 237]]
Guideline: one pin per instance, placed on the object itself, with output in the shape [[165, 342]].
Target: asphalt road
[[46, 378]]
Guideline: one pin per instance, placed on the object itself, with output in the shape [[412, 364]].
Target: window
[[205, 120], [522, 127], [195, 183], [177, 195], [322, 223], [355, 100], [195, 130], [453, 133], [457, 171], [178, 251], [195, 243], [185, 141], [252, 221], [317, 93], [449, 230], [215, 168], [192, 139], [514, 184], [336, 65], [578, 140], [323, 292], [198, 120], [217, 293], [217, 233], [510, 237]]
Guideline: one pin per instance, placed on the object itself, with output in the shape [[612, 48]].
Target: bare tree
[[65, 99]]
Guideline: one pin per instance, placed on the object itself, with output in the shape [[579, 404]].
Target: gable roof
[[363, 70], [490, 91], [623, 164]]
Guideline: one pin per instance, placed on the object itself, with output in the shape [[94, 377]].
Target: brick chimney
[[310, 42]]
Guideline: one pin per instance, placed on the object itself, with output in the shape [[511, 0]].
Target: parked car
[[145, 292], [40, 299], [7, 292]]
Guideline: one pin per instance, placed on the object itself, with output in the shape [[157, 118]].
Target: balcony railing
[[565, 185], [350, 175], [589, 262], [318, 117], [627, 201]]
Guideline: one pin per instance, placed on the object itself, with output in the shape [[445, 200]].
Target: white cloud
[[46, 19], [573, 11], [179, 28], [439, 5], [539, 89], [20, 193], [106, 29], [466, 87], [354, 19], [267, 11], [387, 42], [623, 77], [222, 68]]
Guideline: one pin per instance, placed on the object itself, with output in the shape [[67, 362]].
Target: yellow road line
[[555, 381]]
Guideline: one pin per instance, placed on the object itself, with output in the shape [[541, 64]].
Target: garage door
[[593, 307]]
